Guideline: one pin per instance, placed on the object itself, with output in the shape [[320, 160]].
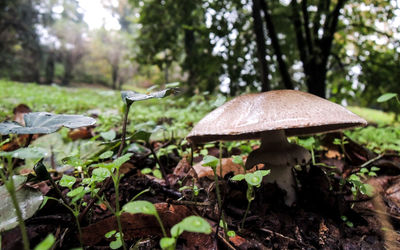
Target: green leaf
[[237, 159], [375, 169], [100, 174], [386, 97], [140, 207], [253, 179], [26, 153], [210, 161], [45, 123], [167, 243], [67, 181], [238, 177], [146, 171], [106, 155], [172, 84], [263, 172], [194, 224], [157, 173], [47, 243], [129, 97], [109, 135], [110, 234], [367, 190], [121, 160], [117, 243], [231, 233], [29, 201], [75, 192]]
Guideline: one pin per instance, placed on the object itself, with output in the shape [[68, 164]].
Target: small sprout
[[231, 234], [167, 243], [110, 234], [194, 224], [146, 171]]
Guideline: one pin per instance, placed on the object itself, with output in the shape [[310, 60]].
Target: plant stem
[[245, 214], [159, 164], [219, 201], [11, 190], [121, 147], [78, 225], [117, 209], [161, 225]]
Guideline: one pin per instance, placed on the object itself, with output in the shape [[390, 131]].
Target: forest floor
[[347, 198]]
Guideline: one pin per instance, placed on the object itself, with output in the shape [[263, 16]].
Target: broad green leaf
[[237, 159], [29, 201], [121, 160], [67, 181], [386, 97], [194, 224], [26, 153], [106, 155], [47, 243], [167, 243], [109, 135], [140, 207], [75, 192], [45, 123], [262, 172], [100, 174], [210, 161], [238, 177]]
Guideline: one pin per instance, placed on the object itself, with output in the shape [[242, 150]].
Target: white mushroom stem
[[278, 155]]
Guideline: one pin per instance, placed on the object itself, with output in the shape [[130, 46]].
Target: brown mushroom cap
[[295, 112]]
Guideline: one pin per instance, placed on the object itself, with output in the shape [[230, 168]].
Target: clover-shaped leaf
[[45, 123], [67, 181], [130, 96]]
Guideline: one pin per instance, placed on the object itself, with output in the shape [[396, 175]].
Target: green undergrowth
[[172, 116]]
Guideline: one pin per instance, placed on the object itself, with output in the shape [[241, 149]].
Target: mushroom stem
[[277, 154]]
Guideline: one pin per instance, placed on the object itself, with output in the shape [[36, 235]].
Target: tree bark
[[261, 49], [277, 48]]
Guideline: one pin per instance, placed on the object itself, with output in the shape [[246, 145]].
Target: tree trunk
[[114, 75], [287, 81], [261, 49], [49, 68], [67, 70]]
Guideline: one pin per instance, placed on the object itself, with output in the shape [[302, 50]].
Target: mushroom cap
[[297, 113]]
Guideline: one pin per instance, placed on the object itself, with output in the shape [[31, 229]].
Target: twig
[[188, 203], [282, 236]]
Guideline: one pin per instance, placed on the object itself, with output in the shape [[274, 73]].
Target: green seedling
[[117, 243], [195, 190], [211, 161], [346, 220], [105, 170], [237, 159], [341, 142], [193, 224], [7, 177], [253, 180]]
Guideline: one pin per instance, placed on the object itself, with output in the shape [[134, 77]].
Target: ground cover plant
[[142, 186]]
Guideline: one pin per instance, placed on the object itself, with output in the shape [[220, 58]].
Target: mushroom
[[272, 116]]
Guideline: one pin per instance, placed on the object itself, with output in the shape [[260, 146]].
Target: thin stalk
[[58, 190], [220, 159], [117, 209], [164, 173], [245, 214], [78, 225], [123, 138], [161, 225], [11, 190], [219, 200]]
